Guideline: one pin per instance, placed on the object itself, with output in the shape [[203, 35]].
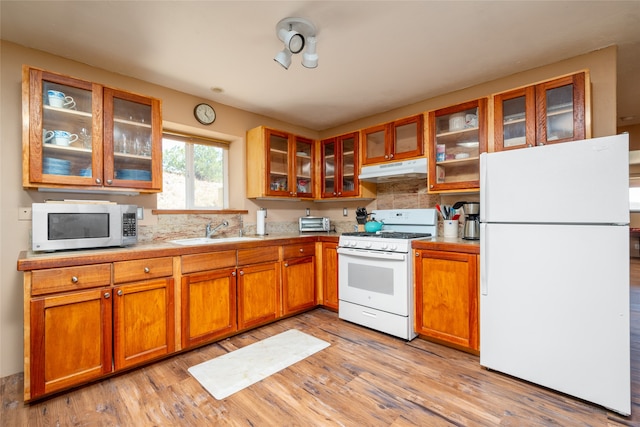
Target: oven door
[[374, 279]]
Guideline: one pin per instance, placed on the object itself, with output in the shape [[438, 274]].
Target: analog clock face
[[204, 113]]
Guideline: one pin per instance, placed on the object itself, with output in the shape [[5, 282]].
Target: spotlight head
[[310, 57], [283, 58], [293, 40]]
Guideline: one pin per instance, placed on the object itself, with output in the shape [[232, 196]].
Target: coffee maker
[[471, 230]]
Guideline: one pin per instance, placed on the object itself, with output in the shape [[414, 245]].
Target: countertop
[[28, 260]]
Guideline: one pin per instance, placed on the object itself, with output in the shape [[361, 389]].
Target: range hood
[[396, 171]]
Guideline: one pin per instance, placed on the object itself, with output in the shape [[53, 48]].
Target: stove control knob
[[384, 246], [367, 245], [393, 247]]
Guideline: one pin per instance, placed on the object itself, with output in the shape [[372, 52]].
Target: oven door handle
[[372, 254]]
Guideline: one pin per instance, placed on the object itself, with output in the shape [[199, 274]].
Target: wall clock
[[204, 113]]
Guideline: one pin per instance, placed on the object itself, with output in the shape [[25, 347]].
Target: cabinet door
[[258, 294], [208, 306], [408, 138], [375, 146], [457, 136], [330, 167], [70, 339], [278, 153], [62, 130], [143, 322], [298, 285], [515, 119], [446, 291], [340, 166], [330, 275], [560, 109], [132, 141]]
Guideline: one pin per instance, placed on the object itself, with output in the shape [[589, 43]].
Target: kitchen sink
[[211, 240]]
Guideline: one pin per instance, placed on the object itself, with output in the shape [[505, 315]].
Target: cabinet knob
[[286, 264], [107, 295], [120, 292], [241, 273], [386, 157], [98, 181], [391, 156], [334, 193], [233, 274], [74, 279], [417, 253], [431, 186], [301, 249], [529, 145], [109, 181], [339, 193], [146, 269]]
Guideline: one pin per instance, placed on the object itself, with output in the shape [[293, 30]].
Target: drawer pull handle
[[146, 269], [120, 292], [74, 279], [107, 295]]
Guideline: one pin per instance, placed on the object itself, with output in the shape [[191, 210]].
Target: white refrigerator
[[554, 267]]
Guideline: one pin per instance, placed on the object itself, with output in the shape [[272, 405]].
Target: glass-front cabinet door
[[561, 110], [130, 132], [64, 135], [278, 163], [457, 136], [397, 140], [375, 144], [515, 119], [339, 166]]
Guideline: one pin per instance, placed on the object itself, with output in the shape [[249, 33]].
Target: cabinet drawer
[[257, 255], [297, 251], [208, 261], [142, 269], [70, 278]]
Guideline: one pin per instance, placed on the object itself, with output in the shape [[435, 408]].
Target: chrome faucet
[[210, 231]]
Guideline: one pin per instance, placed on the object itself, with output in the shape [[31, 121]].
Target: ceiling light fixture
[[296, 34]]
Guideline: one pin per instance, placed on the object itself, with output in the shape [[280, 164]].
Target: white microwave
[[66, 225]]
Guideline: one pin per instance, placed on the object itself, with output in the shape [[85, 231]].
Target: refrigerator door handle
[[483, 186], [484, 273]]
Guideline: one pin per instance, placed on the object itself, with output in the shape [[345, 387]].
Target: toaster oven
[[311, 223]]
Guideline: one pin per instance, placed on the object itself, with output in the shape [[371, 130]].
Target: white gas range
[[375, 271]]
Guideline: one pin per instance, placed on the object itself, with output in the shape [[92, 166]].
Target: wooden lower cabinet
[[446, 293], [258, 294], [143, 316], [70, 340], [298, 285], [208, 306], [330, 275]]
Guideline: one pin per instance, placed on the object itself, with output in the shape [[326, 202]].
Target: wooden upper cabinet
[[80, 135], [279, 164], [546, 113], [397, 140], [456, 137]]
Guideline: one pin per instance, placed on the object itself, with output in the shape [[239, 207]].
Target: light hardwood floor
[[363, 379]]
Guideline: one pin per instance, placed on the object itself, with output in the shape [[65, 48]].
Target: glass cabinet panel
[[375, 144], [559, 103], [329, 168], [132, 140], [67, 128], [349, 165], [303, 167], [513, 122], [278, 162]]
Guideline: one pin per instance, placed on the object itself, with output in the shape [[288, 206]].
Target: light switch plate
[[345, 212]]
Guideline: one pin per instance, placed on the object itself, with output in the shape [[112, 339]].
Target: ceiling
[[374, 56]]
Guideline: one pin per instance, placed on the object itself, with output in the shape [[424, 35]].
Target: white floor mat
[[234, 371]]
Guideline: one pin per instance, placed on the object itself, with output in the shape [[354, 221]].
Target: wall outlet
[[345, 212], [24, 214], [307, 211]]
